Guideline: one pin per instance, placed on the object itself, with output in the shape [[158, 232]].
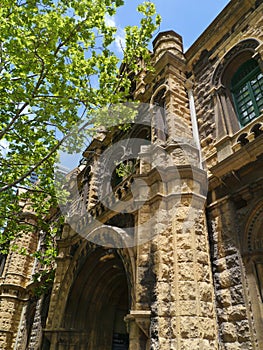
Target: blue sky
[[188, 18]]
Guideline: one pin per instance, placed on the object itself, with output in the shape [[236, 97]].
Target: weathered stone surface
[[229, 332], [192, 278]]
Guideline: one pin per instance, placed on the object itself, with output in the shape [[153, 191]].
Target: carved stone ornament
[[142, 319], [249, 44]]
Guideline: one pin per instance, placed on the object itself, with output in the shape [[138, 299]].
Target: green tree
[[56, 67]]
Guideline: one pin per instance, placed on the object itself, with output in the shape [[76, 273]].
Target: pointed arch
[[80, 255], [253, 238], [253, 260]]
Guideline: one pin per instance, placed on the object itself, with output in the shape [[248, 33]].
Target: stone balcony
[[248, 134], [103, 208], [231, 144], [237, 151]]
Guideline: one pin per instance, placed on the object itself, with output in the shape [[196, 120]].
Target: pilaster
[[174, 276], [233, 308]]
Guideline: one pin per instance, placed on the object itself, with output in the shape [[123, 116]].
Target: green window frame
[[247, 91]]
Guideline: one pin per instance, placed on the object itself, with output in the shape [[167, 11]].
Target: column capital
[[142, 318], [189, 83]]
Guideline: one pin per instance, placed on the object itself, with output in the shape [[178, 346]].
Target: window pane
[[247, 87]]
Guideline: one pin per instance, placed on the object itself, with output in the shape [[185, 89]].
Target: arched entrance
[[253, 261], [98, 302]]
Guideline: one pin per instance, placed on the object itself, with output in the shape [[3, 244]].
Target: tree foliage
[[56, 67]]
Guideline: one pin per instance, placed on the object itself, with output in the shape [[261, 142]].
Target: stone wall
[[183, 313], [233, 305], [231, 195], [13, 294], [191, 274], [204, 57]]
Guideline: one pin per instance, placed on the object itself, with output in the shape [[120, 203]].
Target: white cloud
[[110, 21], [4, 146], [120, 40], [120, 33]]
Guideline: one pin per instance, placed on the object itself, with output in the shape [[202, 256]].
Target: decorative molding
[[250, 236], [245, 45]]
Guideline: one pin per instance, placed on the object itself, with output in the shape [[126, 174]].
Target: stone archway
[[99, 300], [252, 253], [93, 294]]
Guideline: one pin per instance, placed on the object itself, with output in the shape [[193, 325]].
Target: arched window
[[247, 90], [237, 82], [160, 131]]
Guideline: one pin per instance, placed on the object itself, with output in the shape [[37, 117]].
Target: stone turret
[[168, 41]]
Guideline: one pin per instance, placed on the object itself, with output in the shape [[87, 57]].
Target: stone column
[[94, 180], [235, 323], [183, 313], [16, 277], [225, 114], [138, 324], [66, 248], [174, 276]]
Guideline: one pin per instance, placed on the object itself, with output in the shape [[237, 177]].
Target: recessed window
[[247, 90]]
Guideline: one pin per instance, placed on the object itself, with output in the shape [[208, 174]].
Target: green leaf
[[55, 61]]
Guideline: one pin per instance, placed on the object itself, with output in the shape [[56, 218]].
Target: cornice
[[221, 25]]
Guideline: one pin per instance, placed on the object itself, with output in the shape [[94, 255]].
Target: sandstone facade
[[182, 266]]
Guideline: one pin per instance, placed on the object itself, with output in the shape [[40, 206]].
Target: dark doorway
[[99, 301]]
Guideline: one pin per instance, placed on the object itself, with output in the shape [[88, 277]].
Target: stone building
[[182, 266]]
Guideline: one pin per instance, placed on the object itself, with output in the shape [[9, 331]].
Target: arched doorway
[[98, 302], [253, 261]]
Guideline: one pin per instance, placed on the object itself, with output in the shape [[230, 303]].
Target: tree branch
[[38, 164], [13, 120]]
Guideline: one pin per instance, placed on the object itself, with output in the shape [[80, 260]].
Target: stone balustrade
[[248, 134]]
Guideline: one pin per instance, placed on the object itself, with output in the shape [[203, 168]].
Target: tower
[[155, 256], [165, 251]]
